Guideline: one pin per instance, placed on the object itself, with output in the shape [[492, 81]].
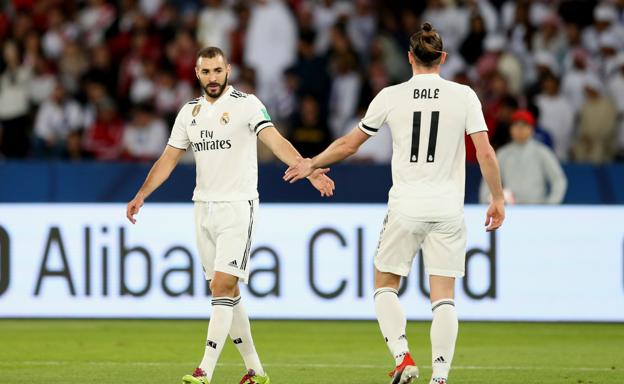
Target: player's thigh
[[234, 236], [444, 248], [206, 245], [399, 241]]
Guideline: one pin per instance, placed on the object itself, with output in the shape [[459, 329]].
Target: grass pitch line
[[308, 365]]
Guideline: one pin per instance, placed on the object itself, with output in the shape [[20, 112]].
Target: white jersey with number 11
[[428, 117]]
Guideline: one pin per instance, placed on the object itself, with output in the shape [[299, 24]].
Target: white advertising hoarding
[[308, 261]]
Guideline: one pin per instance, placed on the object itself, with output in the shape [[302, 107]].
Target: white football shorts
[[443, 245], [224, 231]]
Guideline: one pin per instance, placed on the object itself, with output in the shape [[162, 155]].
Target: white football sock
[[392, 322], [443, 336], [240, 333], [218, 328]]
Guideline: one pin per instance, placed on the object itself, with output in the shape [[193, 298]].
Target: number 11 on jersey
[[433, 136]]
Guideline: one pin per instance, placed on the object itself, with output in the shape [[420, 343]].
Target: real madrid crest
[[225, 118], [196, 109]]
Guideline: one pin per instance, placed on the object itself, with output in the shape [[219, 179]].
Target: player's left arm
[[287, 153], [337, 151]]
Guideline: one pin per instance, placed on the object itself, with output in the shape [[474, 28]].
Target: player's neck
[[425, 71]]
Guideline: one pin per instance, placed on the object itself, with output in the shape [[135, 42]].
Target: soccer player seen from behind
[[221, 128], [428, 117]]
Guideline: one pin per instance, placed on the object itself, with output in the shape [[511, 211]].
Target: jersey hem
[[425, 219], [225, 200]]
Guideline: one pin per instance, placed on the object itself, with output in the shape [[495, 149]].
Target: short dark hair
[[426, 45], [210, 52]]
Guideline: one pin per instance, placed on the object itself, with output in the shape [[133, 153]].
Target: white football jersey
[[428, 117], [223, 137]]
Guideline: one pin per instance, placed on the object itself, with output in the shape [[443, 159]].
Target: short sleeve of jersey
[[179, 137], [375, 115], [259, 118], [475, 122]]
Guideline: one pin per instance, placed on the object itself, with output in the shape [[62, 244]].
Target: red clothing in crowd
[[104, 139]]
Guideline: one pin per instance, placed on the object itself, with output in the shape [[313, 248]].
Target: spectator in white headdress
[[550, 38], [497, 59], [270, 46], [556, 115], [605, 20], [595, 139], [573, 81], [609, 47], [215, 24], [616, 91]]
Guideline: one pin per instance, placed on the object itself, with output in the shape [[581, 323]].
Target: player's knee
[[222, 288], [440, 293], [386, 280], [441, 287]]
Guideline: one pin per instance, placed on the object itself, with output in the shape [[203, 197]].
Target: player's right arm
[[491, 174], [160, 172], [162, 168]]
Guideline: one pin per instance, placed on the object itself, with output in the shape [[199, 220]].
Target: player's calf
[[444, 329]]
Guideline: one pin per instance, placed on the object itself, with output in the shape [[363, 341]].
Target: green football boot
[[251, 378], [198, 377]]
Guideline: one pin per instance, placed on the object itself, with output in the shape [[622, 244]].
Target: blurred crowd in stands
[[97, 79]]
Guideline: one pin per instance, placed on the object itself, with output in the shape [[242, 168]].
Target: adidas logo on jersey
[[193, 123], [233, 264], [237, 94]]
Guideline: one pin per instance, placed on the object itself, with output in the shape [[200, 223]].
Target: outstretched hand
[[322, 182], [299, 171], [133, 208]]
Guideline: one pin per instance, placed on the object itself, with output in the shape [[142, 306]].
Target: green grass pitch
[[301, 352]]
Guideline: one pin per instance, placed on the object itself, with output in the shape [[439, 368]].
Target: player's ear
[[229, 69], [410, 57], [443, 59]]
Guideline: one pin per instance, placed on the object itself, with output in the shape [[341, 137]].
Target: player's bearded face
[[212, 73], [214, 89]]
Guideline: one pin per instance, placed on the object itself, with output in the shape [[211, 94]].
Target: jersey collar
[[223, 96], [422, 76]]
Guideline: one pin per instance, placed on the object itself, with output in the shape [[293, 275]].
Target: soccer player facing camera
[[222, 127], [428, 117]]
